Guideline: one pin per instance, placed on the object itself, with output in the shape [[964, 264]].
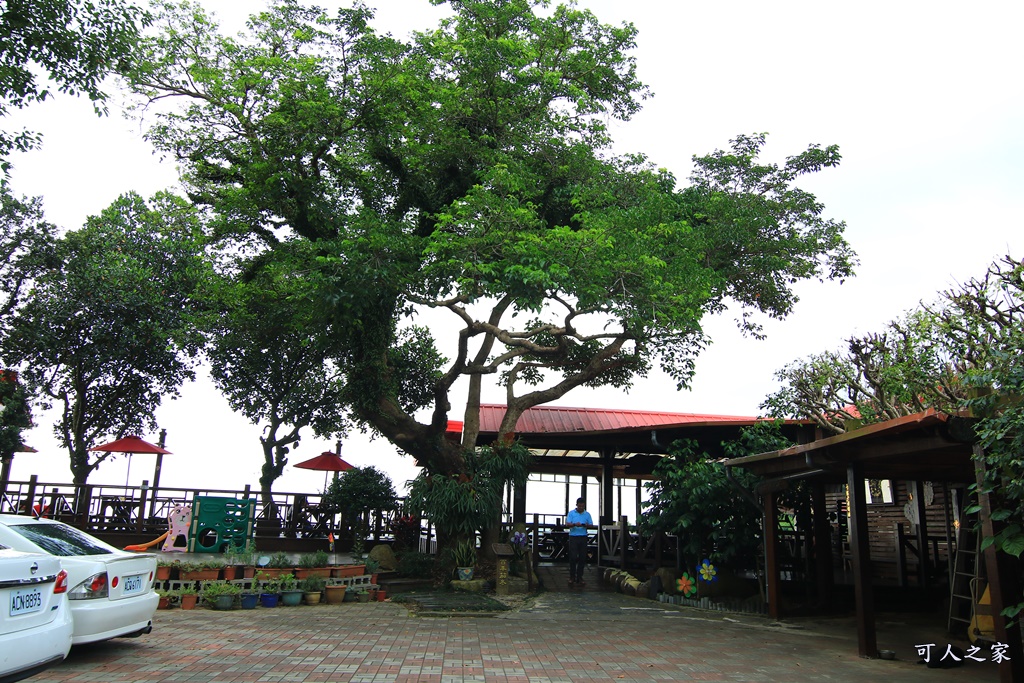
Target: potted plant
[[188, 598], [334, 594], [248, 599], [199, 571], [464, 556], [163, 569], [291, 594], [311, 587], [220, 595], [279, 565], [372, 567], [235, 560], [269, 589], [168, 598], [313, 564], [362, 595]]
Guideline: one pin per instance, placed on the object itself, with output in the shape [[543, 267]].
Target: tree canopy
[[74, 43], [112, 330], [467, 171]]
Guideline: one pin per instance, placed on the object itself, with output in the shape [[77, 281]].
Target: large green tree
[[114, 329], [271, 355], [67, 45], [467, 172]]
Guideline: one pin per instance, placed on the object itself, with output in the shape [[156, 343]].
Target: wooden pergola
[[928, 446], [609, 444]]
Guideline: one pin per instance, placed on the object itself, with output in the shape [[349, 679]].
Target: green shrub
[[416, 565]]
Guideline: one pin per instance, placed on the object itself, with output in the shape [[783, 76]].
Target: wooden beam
[[824, 573], [863, 591]]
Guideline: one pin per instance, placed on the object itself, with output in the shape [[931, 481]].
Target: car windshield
[[60, 539]]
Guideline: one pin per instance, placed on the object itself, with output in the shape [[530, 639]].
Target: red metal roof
[[563, 420]]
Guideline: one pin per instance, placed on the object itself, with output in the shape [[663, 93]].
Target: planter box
[[201, 575], [348, 570], [274, 573], [324, 572]]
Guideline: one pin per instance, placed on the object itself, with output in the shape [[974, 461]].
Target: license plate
[[134, 584], [26, 601]]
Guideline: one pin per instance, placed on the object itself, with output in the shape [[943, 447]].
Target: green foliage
[[279, 560], [468, 171], [693, 499], [272, 355], [312, 584], [464, 553], [215, 589], [459, 505], [118, 327], [74, 43], [416, 565], [359, 490]]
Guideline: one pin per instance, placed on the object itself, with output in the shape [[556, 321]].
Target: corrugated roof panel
[[563, 420]]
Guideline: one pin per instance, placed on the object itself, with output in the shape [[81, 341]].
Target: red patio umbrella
[[327, 462], [130, 445]]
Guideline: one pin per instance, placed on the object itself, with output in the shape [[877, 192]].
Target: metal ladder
[[967, 574]]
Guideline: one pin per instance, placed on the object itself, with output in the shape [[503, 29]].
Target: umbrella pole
[[129, 471]]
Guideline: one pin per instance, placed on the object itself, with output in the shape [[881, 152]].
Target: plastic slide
[[146, 546]]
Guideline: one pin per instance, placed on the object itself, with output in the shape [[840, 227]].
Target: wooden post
[[1003, 582], [901, 556], [923, 562], [141, 519], [30, 496], [623, 542], [864, 595], [773, 583], [824, 573]]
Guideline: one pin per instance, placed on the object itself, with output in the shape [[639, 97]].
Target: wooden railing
[[136, 511]]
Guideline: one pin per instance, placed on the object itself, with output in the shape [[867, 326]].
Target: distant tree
[[466, 172], [15, 416], [74, 43], [908, 367], [358, 492], [271, 355], [116, 328]]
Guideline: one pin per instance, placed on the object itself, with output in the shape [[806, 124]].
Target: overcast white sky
[[924, 99]]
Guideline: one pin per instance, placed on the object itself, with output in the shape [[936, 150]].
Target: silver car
[[35, 622], [110, 591]]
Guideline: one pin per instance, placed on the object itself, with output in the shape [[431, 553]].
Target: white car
[[35, 622], [110, 591]]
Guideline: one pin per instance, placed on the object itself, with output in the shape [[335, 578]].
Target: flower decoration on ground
[[708, 571], [518, 542], [686, 585]]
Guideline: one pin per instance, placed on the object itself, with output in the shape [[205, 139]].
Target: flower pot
[[189, 600], [315, 571], [249, 600], [268, 599], [163, 572], [382, 595], [248, 572], [291, 598], [312, 598], [363, 597], [230, 572], [335, 594], [165, 602], [224, 602], [350, 596], [465, 573], [348, 570]]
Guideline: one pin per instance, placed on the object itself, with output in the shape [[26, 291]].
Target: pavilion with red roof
[[609, 444]]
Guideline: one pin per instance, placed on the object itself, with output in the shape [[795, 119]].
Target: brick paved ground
[[561, 637]]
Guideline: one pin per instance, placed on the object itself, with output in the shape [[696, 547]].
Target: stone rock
[[473, 585], [644, 590], [384, 555], [668, 578]]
